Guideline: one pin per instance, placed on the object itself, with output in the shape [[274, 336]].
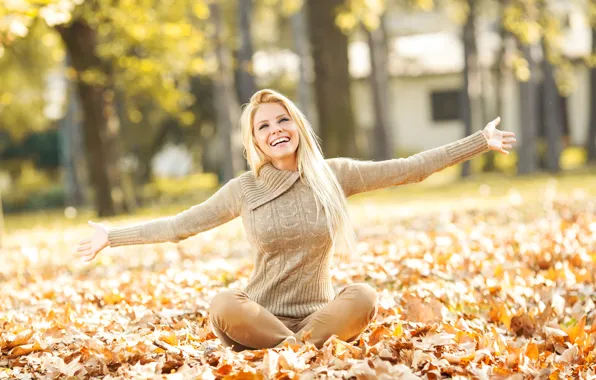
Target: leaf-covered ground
[[500, 292]]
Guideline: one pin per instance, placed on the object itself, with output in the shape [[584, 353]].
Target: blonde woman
[[293, 207]]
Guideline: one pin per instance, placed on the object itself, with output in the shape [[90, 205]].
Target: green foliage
[[357, 12], [25, 65], [42, 148], [150, 48], [533, 22], [153, 47], [46, 198]]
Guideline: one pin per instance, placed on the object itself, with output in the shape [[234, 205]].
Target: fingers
[[504, 152], [89, 257], [85, 241], [507, 146], [508, 134], [497, 121], [84, 254], [83, 247]]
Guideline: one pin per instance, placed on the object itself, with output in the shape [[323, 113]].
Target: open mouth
[[282, 141]]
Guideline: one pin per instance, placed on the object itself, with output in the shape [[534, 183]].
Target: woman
[[293, 207]]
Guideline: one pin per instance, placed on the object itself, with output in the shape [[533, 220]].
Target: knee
[[365, 296], [226, 304]]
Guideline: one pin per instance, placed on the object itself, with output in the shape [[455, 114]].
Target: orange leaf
[[532, 351], [378, 334], [22, 338], [170, 339], [576, 331], [499, 313], [24, 350], [224, 370]]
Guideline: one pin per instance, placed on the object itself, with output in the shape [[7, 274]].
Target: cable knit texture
[[291, 275]]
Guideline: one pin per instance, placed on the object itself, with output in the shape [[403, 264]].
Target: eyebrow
[[277, 117]]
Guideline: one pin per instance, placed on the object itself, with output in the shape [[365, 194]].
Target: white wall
[[410, 111], [411, 118]]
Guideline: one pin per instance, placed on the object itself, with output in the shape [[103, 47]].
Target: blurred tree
[[147, 49], [370, 16], [245, 81], [591, 141], [471, 74], [26, 65], [71, 152], [203, 131], [226, 104], [528, 93], [301, 47], [503, 73], [379, 80], [521, 19], [535, 26], [332, 84], [81, 42], [552, 105]]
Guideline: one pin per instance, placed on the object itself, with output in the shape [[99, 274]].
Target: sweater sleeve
[[218, 209], [359, 176]]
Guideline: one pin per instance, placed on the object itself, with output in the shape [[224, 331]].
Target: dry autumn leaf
[[486, 294]]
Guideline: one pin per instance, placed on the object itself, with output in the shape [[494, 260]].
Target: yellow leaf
[[532, 351], [170, 339], [576, 331]]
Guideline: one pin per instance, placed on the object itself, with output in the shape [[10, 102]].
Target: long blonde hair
[[313, 168]]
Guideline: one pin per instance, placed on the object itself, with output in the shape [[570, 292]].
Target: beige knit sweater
[[292, 261]]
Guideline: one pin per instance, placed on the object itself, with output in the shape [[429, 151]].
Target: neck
[[290, 164]]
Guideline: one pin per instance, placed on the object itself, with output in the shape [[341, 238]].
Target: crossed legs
[[243, 324]]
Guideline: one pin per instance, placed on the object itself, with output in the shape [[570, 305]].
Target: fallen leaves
[[506, 293]]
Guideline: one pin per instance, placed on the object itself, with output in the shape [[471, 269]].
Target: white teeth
[[281, 139]]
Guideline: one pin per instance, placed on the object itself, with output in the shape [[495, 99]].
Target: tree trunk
[[552, 116], [246, 86], [501, 77], [80, 41], [332, 85], [301, 48], [471, 85], [202, 89], [226, 105], [71, 141], [591, 143], [379, 80], [1, 222], [69, 152], [527, 162]]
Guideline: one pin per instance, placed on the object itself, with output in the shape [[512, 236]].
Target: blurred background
[[120, 107]]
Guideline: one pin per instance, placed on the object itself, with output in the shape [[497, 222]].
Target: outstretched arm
[[220, 208], [360, 176]]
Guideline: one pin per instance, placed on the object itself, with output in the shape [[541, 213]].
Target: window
[[445, 105]]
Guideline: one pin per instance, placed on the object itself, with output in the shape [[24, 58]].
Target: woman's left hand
[[498, 140]]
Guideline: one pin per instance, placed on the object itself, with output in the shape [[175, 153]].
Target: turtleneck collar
[[270, 184]]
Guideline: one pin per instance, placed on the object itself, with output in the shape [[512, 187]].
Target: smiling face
[[276, 135]]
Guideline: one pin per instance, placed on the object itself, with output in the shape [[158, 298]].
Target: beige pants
[[244, 324]]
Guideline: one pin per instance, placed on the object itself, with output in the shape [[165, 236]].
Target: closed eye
[[284, 119], [263, 126]]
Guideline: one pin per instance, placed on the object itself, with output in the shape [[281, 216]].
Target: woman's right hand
[[89, 248]]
